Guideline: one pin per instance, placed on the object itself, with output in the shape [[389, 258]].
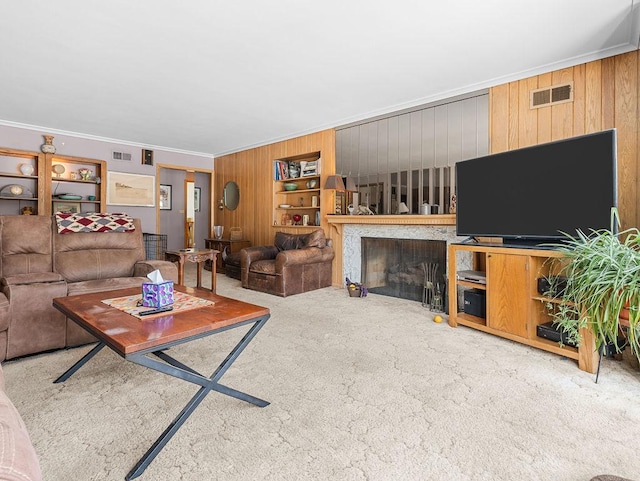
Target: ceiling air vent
[[120, 155], [555, 94]]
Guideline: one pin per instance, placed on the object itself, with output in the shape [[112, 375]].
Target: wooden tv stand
[[514, 308]]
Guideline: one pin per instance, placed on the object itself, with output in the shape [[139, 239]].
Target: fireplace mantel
[[347, 229], [401, 219]]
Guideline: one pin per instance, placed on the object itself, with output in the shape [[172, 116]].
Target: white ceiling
[[212, 77]]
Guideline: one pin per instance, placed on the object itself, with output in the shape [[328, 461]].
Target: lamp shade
[[334, 182], [351, 185]]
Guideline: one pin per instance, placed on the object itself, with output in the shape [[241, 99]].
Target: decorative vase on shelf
[[48, 147], [294, 170]]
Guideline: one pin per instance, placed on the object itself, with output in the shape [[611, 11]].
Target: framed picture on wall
[[131, 189], [196, 198], [165, 197], [66, 207], [147, 157]]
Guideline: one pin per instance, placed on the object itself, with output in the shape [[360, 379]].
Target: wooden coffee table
[[145, 341]]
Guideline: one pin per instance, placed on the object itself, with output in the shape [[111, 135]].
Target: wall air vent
[[120, 155], [556, 94]]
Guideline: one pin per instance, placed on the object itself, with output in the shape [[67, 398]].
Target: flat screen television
[[534, 194]]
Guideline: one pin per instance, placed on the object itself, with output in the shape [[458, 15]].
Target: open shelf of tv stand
[[514, 308]]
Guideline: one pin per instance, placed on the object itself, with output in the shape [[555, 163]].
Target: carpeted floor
[[360, 389]]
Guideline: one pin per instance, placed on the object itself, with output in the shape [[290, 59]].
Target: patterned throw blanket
[[94, 222]]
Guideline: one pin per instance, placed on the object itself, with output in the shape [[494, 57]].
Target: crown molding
[[98, 138]]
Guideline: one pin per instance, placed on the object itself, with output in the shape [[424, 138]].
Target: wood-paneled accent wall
[[606, 94], [252, 170]]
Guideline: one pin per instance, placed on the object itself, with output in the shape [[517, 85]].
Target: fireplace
[[400, 267]]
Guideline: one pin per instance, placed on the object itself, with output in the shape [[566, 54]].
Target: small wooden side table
[[199, 256], [235, 245]]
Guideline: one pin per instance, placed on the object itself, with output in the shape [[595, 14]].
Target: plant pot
[[357, 292], [624, 313]]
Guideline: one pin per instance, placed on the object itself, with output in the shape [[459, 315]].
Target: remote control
[[155, 311]]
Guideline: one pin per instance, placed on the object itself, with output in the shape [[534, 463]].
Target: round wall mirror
[[231, 195]]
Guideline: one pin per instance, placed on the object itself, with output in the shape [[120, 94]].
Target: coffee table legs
[[175, 368], [80, 363]]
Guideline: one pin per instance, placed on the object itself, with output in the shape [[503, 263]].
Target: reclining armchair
[[296, 263]]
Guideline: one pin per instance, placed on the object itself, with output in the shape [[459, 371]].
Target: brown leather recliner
[[296, 263]]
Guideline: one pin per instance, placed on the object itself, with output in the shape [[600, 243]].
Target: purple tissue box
[[157, 295]]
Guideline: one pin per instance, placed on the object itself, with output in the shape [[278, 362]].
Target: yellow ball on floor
[[437, 319]]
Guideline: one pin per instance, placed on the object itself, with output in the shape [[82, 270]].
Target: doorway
[[185, 213]]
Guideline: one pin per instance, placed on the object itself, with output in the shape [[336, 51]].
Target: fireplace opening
[[402, 267]]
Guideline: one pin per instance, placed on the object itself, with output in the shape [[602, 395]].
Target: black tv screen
[[537, 193]]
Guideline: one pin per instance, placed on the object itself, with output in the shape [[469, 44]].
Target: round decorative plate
[[15, 190], [58, 168], [69, 197]]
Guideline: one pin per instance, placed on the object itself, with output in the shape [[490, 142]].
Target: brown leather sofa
[[296, 263], [38, 264]]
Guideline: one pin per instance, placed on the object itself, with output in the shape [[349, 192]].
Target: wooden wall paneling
[[579, 99], [608, 93], [260, 166], [528, 118], [513, 116], [231, 175], [593, 97], [562, 114], [219, 166], [499, 118], [544, 113], [637, 186], [327, 147], [245, 172], [626, 123]]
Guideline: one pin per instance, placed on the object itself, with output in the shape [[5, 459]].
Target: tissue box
[[158, 294]]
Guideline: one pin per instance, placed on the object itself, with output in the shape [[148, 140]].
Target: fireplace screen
[[400, 267]]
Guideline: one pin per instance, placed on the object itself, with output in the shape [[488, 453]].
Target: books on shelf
[[309, 168], [282, 170]]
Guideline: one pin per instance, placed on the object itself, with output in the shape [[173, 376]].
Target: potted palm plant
[[602, 271]]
